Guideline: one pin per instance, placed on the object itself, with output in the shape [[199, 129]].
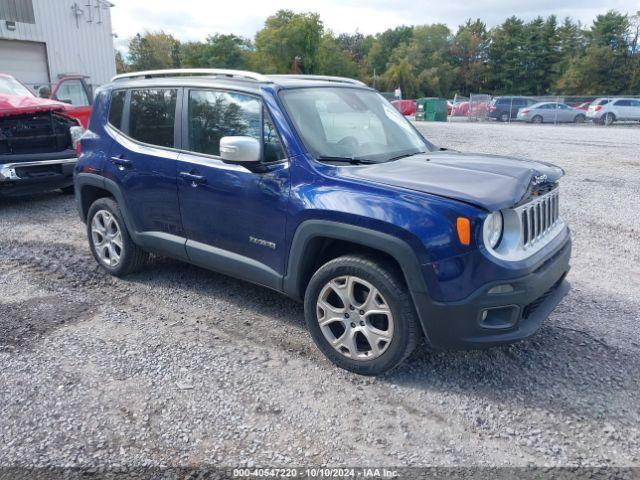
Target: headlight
[[492, 229]]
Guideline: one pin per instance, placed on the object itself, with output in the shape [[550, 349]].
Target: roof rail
[[217, 72], [326, 78]]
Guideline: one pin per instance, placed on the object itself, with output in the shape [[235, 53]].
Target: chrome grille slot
[[539, 217], [529, 227]]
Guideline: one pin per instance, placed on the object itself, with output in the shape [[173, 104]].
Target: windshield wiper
[[404, 155], [351, 160]]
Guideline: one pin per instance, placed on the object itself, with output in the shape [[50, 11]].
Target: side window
[[73, 92], [622, 103], [273, 150], [217, 114], [116, 108], [635, 103], [152, 115]]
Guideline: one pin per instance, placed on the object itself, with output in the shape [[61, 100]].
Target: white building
[[40, 40]]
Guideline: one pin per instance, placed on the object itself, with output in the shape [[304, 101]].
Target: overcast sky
[[195, 19]]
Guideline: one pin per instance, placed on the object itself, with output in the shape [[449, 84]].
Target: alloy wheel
[[355, 318], [107, 238]]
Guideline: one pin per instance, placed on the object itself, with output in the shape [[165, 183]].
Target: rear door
[[142, 160], [621, 109], [635, 110]]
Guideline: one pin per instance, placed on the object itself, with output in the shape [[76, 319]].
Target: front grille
[[46, 132], [539, 217]]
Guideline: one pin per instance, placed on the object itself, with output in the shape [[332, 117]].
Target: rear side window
[[602, 102], [117, 108], [623, 103], [152, 115], [217, 114]]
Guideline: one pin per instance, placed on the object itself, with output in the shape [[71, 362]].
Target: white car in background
[[609, 110]]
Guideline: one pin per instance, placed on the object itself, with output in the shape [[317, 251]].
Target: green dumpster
[[431, 110]]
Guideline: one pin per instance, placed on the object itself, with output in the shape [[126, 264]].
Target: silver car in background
[[551, 112], [608, 110]]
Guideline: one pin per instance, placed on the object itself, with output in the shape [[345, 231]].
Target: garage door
[[27, 61]]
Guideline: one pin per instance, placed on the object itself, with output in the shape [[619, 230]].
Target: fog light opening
[[499, 317]]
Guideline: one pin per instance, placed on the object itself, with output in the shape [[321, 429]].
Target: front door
[[233, 216]]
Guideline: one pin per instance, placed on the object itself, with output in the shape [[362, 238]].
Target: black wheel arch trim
[[311, 230], [395, 247]]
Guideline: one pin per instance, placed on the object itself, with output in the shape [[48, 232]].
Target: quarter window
[[217, 114], [273, 150], [117, 108], [152, 115]]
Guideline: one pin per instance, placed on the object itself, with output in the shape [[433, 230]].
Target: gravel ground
[[177, 366]]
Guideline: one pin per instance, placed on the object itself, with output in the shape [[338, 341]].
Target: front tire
[[360, 314], [109, 239], [608, 119]]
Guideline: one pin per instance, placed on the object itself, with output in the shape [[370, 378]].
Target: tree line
[[538, 57]]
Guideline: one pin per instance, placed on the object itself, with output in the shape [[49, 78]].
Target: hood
[[490, 182], [15, 105]]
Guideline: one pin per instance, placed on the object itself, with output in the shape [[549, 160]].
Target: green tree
[[505, 57], [401, 75], [289, 38], [469, 54], [121, 63], [383, 45], [333, 60], [218, 51], [608, 65], [153, 50]]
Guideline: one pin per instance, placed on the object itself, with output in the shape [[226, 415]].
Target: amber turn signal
[[464, 230]]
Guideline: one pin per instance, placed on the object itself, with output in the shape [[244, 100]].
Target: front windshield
[[10, 86], [351, 123]]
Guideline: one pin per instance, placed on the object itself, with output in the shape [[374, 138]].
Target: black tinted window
[[623, 103], [116, 108], [217, 114], [152, 115]]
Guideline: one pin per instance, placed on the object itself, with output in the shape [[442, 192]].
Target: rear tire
[[360, 314], [579, 119], [109, 239], [537, 119], [504, 117]]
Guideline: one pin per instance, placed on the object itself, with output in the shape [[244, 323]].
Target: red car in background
[[38, 138], [583, 106], [405, 107], [70, 94]]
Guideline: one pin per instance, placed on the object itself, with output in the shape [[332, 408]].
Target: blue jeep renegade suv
[[318, 188]]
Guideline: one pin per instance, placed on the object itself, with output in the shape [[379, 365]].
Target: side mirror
[[240, 150]]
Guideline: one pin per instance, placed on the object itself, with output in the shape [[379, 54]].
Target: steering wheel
[[349, 142]]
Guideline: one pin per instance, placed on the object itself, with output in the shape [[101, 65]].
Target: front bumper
[[25, 177], [510, 315]]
